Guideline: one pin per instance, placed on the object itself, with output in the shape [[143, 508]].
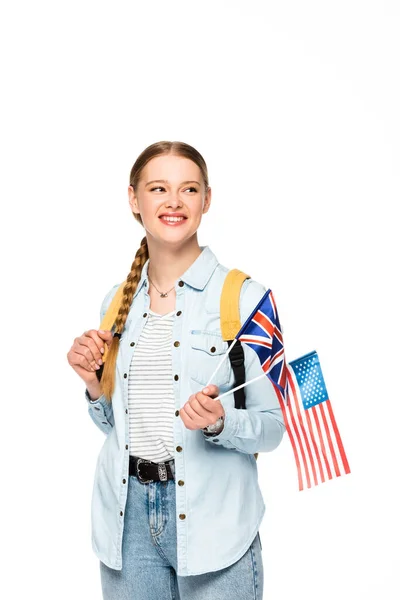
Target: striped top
[[151, 400]]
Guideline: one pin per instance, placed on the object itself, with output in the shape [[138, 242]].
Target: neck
[[167, 264]]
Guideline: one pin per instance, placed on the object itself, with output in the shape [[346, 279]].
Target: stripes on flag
[[307, 410], [311, 425]]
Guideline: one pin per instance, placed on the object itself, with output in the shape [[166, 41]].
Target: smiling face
[[169, 185]]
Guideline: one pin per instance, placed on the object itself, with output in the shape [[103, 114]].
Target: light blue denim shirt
[[219, 504]]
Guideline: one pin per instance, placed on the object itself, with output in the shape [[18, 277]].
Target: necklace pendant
[[164, 295]]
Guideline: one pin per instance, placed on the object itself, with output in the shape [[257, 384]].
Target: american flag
[[307, 411]]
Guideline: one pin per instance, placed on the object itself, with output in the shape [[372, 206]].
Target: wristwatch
[[214, 428]]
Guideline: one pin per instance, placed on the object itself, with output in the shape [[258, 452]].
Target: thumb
[[106, 335], [211, 390]]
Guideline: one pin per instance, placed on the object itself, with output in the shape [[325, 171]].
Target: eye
[[160, 187]]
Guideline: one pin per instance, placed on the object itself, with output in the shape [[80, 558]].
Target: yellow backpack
[[230, 325]]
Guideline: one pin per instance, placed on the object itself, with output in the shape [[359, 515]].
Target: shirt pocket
[[206, 351]]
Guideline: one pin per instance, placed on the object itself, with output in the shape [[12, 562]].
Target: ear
[[207, 201], [133, 203]]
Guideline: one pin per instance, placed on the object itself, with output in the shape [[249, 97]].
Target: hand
[[85, 355], [201, 410]]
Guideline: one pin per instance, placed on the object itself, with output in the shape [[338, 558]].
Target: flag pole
[[221, 361], [239, 386]]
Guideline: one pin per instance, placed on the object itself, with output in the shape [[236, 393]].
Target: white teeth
[[172, 218]]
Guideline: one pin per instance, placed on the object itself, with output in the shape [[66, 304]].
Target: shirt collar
[[197, 275]]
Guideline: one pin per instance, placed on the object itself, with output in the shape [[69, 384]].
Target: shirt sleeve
[[100, 410], [260, 426]]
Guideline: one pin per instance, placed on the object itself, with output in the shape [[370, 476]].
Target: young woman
[[176, 505]]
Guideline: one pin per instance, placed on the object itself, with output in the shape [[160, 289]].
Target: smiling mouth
[[166, 219]]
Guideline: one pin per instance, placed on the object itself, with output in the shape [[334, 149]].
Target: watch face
[[216, 425]]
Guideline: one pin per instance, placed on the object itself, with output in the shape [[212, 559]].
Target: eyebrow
[[165, 181]]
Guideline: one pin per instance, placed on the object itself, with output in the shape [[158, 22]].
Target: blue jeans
[[149, 556]]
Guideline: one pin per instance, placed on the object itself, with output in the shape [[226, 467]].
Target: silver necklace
[[162, 294]]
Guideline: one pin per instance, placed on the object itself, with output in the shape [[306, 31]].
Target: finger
[[96, 344], [214, 407], [87, 347], [187, 421], [186, 418], [195, 409], [192, 419], [99, 339], [106, 335], [207, 402], [76, 357]]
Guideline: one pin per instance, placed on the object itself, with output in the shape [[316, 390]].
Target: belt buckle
[[142, 460], [162, 471]]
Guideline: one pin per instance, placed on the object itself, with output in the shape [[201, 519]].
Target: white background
[[295, 108]]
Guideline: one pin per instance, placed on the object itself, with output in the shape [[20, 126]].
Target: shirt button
[[145, 315], [121, 513], [177, 413], [132, 343], [212, 349], [216, 441], [125, 375], [179, 448], [124, 481], [180, 482], [176, 344], [178, 314], [181, 284], [182, 516], [176, 377], [126, 446], [126, 410]]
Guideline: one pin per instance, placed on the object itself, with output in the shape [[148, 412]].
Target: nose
[[174, 201]]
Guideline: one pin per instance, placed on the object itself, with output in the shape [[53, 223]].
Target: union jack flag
[[302, 395]]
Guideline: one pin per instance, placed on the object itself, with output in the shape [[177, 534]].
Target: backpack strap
[[230, 325], [108, 320]]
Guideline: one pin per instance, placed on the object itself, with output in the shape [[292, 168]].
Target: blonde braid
[[107, 380]]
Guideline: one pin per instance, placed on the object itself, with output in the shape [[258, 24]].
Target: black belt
[[147, 471]]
